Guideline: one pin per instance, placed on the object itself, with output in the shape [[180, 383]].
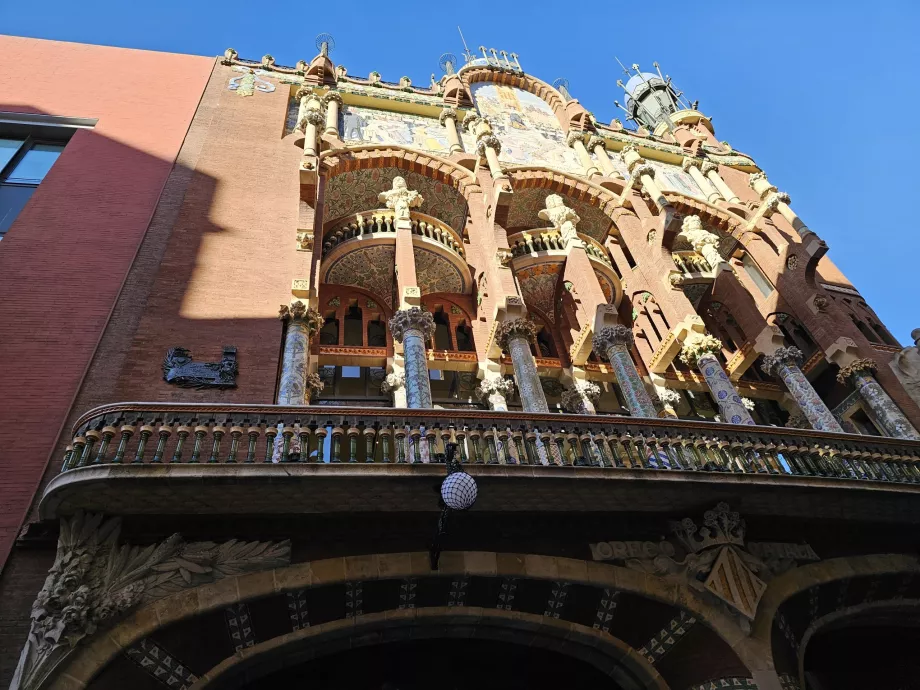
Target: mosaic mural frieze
[[434, 273]]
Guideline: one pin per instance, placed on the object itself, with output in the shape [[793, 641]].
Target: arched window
[[442, 339], [354, 326], [465, 338], [545, 345], [723, 325]]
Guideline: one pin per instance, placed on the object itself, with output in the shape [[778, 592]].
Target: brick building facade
[[482, 288]]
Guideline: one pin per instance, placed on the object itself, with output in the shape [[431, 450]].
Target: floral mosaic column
[[581, 397], [515, 337], [496, 391], [615, 342], [412, 327], [859, 374], [785, 363], [700, 351], [302, 324]]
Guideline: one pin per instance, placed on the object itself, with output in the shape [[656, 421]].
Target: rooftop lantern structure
[[651, 98]]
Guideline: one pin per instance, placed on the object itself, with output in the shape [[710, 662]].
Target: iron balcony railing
[[151, 433]]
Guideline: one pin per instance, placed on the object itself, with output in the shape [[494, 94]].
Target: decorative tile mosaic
[[506, 593], [407, 592], [457, 594], [356, 191], [297, 609], [605, 610], [354, 599], [239, 625], [375, 126], [538, 287], [434, 273], [160, 664], [527, 203], [370, 268], [669, 636], [526, 125], [556, 602]]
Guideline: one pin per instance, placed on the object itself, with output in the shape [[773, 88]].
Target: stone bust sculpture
[[906, 366]]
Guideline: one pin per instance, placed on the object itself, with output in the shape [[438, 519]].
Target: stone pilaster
[[615, 342], [515, 337], [496, 391], [785, 363], [581, 397], [700, 350], [859, 374], [711, 171], [302, 324], [412, 327]]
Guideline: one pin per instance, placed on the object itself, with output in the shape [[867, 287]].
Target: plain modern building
[[548, 402]]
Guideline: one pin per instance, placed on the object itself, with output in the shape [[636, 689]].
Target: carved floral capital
[[313, 384], [499, 385], [518, 328], [393, 381], [784, 356], [596, 141], [612, 336], [574, 137], [298, 311], [574, 398], [698, 345], [447, 113], [488, 141], [413, 319], [689, 162], [333, 96], [864, 366]]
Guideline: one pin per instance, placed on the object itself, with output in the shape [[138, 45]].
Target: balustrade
[[383, 222], [169, 434], [524, 243], [691, 262]]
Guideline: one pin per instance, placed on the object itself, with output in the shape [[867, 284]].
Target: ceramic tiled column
[[302, 324], [615, 342], [859, 374], [515, 337], [700, 351], [786, 363], [412, 327], [496, 391]]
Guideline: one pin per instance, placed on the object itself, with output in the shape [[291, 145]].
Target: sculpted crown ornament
[[313, 383], [500, 385], [699, 345], [611, 336], [721, 526], [788, 356], [413, 319], [561, 216], [573, 137], [518, 328], [448, 112], [859, 366], [401, 198], [311, 318], [95, 580]]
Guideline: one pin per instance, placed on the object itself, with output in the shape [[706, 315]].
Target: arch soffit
[[94, 656], [578, 641]]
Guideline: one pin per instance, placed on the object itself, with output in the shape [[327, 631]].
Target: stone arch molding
[[77, 665]]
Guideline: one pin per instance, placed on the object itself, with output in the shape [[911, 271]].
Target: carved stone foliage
[[518, 328], [413, 319], [370, 268], [181, 370], [859, 366], [311, 318], [610, 336], [788, 356], [697, 345], [357, 190], [393, 381], [528, 203], [573, 400], [499, 385], [95, 581]]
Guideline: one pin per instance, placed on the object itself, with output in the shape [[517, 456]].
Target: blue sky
[[822, 94]]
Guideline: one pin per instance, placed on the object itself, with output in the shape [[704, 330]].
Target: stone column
[[711, 171], [693, 166], [779, 201], [615, 342], [448, 119], [703, 242], [412, 327], [596, 144], [576, 140], [785, 363], [303, 95], [333, 102], [581, 397], [487, 144], [395, 383], [643, 172], [700, 350], [496, 390], [859, 374], [313, 117], [302, 324], [515, 337]]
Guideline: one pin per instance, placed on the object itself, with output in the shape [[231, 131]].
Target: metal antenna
[[325, 44], [625, 71], [466, 49], [562, 86]]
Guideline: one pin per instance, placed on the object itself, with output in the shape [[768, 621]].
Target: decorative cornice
[[864, 366], [413, 319], [784, 356], [517, 328], [611, 336]]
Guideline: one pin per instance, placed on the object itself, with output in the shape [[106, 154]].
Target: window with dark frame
[[24, 162]]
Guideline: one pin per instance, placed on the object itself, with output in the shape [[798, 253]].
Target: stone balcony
[[151, 458]]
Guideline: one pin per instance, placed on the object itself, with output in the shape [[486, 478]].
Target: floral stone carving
[[518, 328], [413, 319], [311, 318], [612, 336], [95, 580], [699, 345], [500, 386], [859, 366]]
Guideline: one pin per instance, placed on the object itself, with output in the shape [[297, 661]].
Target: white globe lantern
[[459, 491]]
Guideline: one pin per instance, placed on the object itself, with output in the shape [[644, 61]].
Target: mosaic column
[[515, 337], [786, 363], [302, 324], [615, 342], [581, 397], [859, 374], [700, 351], [496, 391], [412, 327]]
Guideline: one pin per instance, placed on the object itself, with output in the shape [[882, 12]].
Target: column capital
[[413, 319], [699, 345], [594, 141], [708, 167], [303, 92], [630, 148], [610, 336], [471, 120], [400, 198], [333, 96], [689, 162], [488, 141], [298, 311], [760, 184], [500, 385], [517, 328], [573, 137], [784, 356], [312, 116], [573, 398], [446, 113], [863, 366], [640, 168]]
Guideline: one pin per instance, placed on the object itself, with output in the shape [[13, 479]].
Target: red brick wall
[[65, 257]]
